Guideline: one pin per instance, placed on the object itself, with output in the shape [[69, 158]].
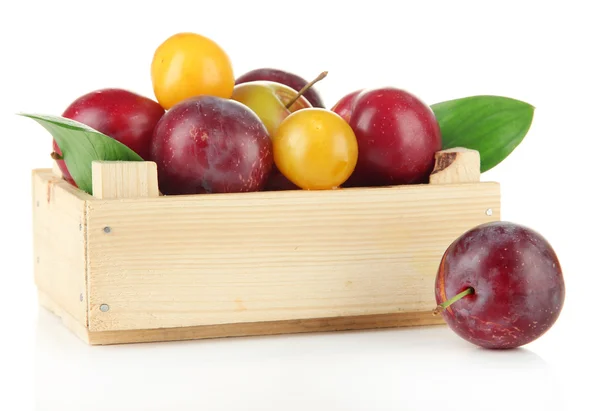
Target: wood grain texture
[[363, 322], [130, 179], [456, 165], [180, 261], [59, 242], [70, 322]]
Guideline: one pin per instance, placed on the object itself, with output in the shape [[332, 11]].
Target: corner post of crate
[[456, 165], [124, 179]]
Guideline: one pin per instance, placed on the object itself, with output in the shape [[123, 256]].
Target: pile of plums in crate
[[499, 285]]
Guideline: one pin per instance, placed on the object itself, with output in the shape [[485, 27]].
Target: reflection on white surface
[[407, 369]]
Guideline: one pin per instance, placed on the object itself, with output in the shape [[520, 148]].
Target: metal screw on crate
[[488, 211], [81, 297], [104, 308], [107, 229]]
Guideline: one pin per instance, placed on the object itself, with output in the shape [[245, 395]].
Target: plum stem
[[56, 156], [306, 87], [451, 301]]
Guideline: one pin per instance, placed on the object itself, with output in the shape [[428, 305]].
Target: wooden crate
[[129, 265]]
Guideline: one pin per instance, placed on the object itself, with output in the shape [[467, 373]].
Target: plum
[[398, 136], [269, 101], [278, 182], [120, 114], [345, 105], [284, 77], [209, 144], [500, 285]]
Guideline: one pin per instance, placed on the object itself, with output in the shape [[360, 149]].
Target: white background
[[545, 53]]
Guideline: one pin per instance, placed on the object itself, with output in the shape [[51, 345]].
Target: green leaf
[[493, 125], [80, 145]]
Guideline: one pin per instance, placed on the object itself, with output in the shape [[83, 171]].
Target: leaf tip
[[529, 105], [30, 115]]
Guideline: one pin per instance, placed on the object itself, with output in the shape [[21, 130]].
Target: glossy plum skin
[[345, 105], [123, 115], [209, 144], [398, 136], [280, 76], [518, 285]]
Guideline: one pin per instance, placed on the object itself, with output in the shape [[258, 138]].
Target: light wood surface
[[177, 261], [364, 322], [126, 265], [59, 243], [56, 170], [117, 179], [456, 165], [70, 322]]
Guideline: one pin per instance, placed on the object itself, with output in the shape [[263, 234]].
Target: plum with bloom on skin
[[512, 281], [209, 144]]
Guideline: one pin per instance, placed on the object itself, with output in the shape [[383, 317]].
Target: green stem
[[451, 301]]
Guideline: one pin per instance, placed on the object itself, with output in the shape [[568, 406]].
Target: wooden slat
[[59, 247], [265, 328], [129, 179], [178, 261], [456, 165]]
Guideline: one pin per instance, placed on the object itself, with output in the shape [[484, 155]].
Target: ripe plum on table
[[500, 285]]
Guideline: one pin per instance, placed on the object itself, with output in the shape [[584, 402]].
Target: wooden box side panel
[[185, 261], [59, 246], [360, 322]]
